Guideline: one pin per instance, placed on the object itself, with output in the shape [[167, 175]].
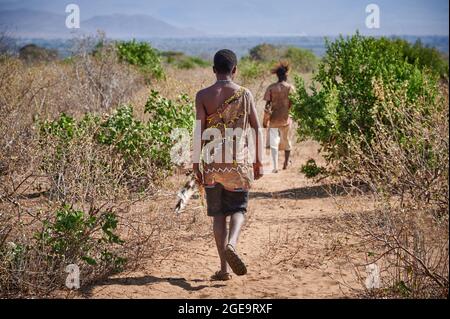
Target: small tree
[[142, 55]]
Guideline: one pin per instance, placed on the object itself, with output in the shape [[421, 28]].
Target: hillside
[[40, 24]]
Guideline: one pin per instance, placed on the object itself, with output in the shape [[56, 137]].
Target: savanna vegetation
[[76, 156], [86, 143], [183, 61], [262, 58], [379, 108]]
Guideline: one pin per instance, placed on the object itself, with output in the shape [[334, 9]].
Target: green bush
[[126, 134], [81, 167], [301, 60], [152, 139], [424, 57], [34, 261], [249, 69], [191, 63], [142, 55], [405, 168], [199, 61], [311, 170], [264, 55], [133, 140], [165, 116], [182, 61], [344, 107], [172, 56], [75, 236]]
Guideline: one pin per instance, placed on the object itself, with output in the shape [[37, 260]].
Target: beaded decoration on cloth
[[225, 155]]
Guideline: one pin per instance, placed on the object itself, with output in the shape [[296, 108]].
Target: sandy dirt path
[[282, 244]]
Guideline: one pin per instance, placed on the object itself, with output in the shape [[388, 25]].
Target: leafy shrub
[[79, 168], [302, 60], [127, 135], [45, 166], [94, 167], [406, 169], [65, 128], [263, 55], [424, 57], [264, 52], [182, 61], [249, 69], [344, 107], [123, 151], [142, 55], [191, 63], [33, 260], [172, 56], [165, 116], [382, 121], [151, 140], [311, 170], [74, 236]]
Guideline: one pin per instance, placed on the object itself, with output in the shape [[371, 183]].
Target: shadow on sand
[[150, 280], [311, 192]]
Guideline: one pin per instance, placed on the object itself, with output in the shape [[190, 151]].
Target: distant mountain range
[[45, 25]]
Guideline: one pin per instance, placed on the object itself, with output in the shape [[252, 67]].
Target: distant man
[[225, 169], [276, 115]]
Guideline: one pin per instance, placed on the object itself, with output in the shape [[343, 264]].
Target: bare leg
[[236, 222], [221, 236], [286, 159]]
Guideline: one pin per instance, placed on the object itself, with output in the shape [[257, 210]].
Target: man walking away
[[276, 116], [221, 107]]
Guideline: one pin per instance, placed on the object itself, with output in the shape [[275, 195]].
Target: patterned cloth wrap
[[225, 156]]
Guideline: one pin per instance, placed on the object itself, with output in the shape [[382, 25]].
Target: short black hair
[[224, 61]]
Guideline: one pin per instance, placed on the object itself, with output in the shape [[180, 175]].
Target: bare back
[[278, 95], [214, 96], [222, 106]]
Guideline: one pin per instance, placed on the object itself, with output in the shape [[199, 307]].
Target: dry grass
[[404, 229], [39, 176]]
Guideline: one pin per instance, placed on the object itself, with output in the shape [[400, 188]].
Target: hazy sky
[[264, 17]]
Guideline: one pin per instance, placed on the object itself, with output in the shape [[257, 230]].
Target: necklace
[[224, 81]]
